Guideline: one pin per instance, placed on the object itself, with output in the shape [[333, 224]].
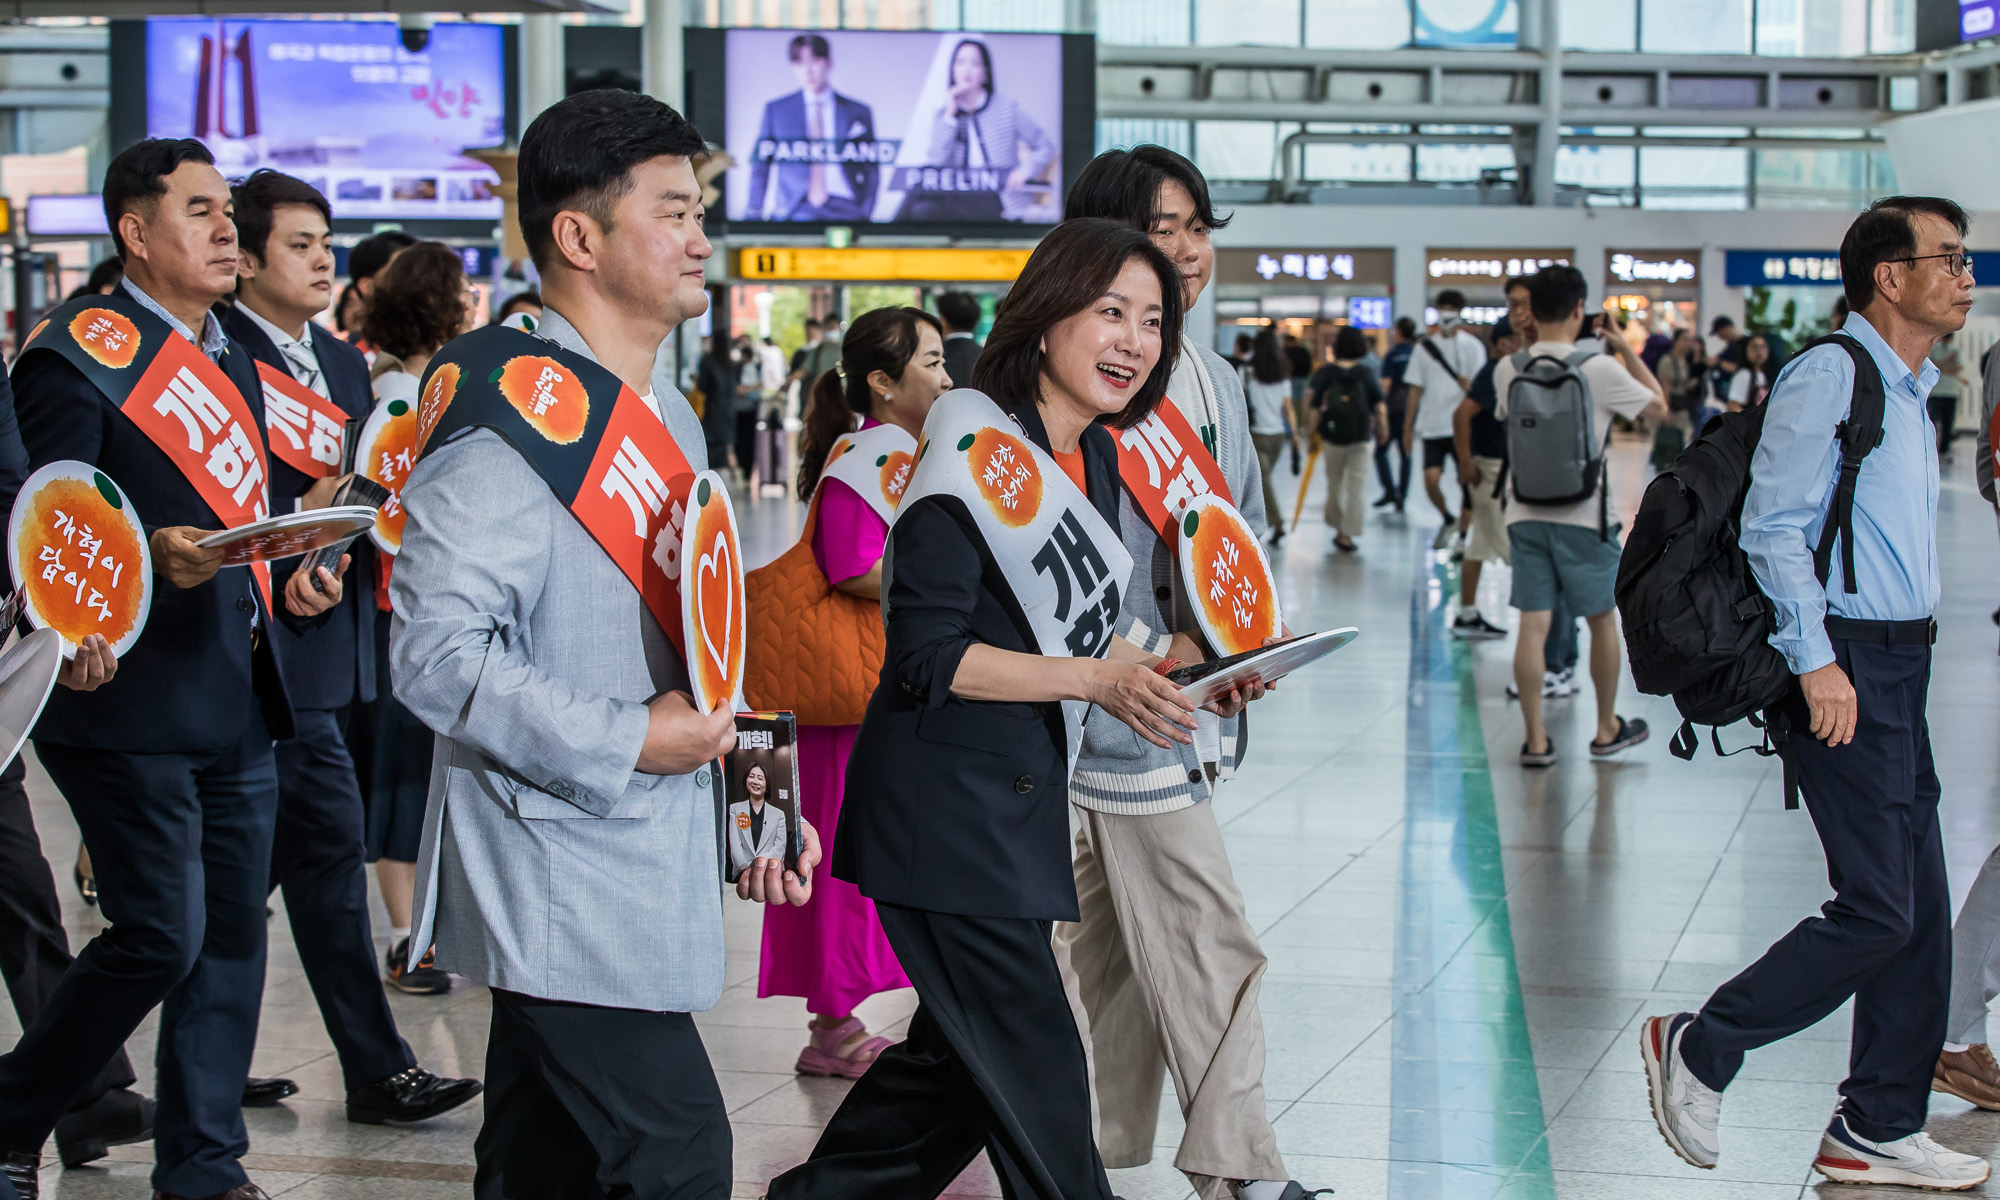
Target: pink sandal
[[822, 1054]]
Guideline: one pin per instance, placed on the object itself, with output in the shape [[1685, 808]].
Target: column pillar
[[663, 66], [541, 64]]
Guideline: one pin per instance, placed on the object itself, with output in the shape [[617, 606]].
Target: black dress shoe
[[263, 1093], [23, 1172], [412, 1095], [116, 1118]]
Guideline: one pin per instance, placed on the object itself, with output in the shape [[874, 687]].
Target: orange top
[[1072, 465]]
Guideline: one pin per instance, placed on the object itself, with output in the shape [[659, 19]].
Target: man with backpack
[[1562, 529], [1845, 441], [1349, 416], [1440, 371]]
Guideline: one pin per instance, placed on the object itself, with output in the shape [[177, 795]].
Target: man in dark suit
[[960, 313], [284, 277], [810, 135], [34, 949], [168, 767]]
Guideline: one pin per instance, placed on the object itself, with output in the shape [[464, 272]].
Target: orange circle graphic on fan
[[1005, 472], [714, 602], [82, 590], [548, 395], [896, 476], [437, 397], [1231, 585], [106, 336], [387, 455]]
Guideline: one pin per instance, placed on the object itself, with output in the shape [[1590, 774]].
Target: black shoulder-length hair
[[1124, 185], [1070, 271], [985, 60]]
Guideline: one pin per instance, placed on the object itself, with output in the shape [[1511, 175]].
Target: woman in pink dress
[[833, 952]]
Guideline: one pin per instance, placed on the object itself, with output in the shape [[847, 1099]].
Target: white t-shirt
[[1744, 379], [1442, 395], [1612, 390], [1267, 404]]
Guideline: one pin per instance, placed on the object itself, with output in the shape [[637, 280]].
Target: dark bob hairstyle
[[1124, 185], [1070, 271]]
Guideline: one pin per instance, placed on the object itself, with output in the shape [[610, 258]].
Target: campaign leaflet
[[871, 126], [761, 778]]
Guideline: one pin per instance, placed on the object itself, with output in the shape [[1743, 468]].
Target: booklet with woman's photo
[[761, 778]]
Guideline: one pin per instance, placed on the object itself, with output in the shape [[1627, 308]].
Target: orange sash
[[604, 454], [304, 428], [1164, 465], [185, 404]]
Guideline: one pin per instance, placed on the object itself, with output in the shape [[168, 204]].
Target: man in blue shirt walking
[[1861, 648]]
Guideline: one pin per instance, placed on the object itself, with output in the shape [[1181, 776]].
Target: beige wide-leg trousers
[[1163, 973]]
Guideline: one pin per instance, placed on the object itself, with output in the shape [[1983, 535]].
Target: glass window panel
[[1706, 202], [1239, 149], [1600, 24], [1904, 93], [1246, 22], [1461, 164], [1123, 133], [1011, 14], [1596, 166], [1144, 22], [1892, 27], [1358, 24], [1693, 177], [1816, 28], [1842, 179], [1366, 162], [1466, 22], [1695, 27]]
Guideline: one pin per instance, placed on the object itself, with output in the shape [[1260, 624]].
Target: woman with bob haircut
[[956, 817]]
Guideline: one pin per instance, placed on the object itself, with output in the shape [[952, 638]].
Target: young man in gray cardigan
[[1150, 863]]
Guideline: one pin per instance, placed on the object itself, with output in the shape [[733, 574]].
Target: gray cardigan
[[1118, 771]]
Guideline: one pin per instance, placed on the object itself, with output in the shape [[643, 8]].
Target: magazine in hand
[[761, 779], [1205, 681], [358, 490]]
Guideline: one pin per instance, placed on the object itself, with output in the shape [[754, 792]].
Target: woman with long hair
[[980, 128], [420, 301], [833, 952], [956, 820], [1751, 384], [1267, 382]]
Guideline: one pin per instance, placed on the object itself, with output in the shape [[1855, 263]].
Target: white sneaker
[[1444, 536], [1555, 684], [1913, 1161], [1686, 1109]]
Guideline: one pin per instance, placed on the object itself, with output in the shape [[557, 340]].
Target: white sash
[[874, 462], [1063, 562]]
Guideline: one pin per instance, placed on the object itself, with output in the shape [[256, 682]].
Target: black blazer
[[960, 354], [961, 806], [330, 664], [192, 681]]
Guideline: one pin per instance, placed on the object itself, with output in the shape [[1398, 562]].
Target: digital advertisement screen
[[872, 127], [1976, 19], [378, 129]]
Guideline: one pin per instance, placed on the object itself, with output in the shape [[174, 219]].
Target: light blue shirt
[[1792, 478], [212, 340]]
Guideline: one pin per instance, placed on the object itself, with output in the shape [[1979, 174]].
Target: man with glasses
[[1858, 633]]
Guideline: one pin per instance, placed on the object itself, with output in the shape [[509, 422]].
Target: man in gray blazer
[[571, 850]]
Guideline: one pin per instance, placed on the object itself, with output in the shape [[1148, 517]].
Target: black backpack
[[1696, 626], [1344, 419]]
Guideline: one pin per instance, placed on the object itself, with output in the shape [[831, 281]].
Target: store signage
[[1370, 312], [1781, 268], [885, 263], [1305, 265], [1477, 267], [1653, 266]]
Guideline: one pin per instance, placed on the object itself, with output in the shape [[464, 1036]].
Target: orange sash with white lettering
[[604, 454], [304, 428], [1164, 465], [185, 404]]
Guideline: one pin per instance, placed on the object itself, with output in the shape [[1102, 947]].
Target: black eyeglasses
[[1955, 262]]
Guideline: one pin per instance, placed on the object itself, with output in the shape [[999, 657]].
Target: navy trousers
[[1885, 937], [34, 949], [182, 848], [317, 858]]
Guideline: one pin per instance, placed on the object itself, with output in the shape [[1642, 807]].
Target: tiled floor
[[1459, 953]]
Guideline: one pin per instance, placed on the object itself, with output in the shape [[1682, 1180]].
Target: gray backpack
[[1552, 449]]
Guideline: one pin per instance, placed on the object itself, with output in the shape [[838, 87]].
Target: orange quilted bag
[[818, 650]]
